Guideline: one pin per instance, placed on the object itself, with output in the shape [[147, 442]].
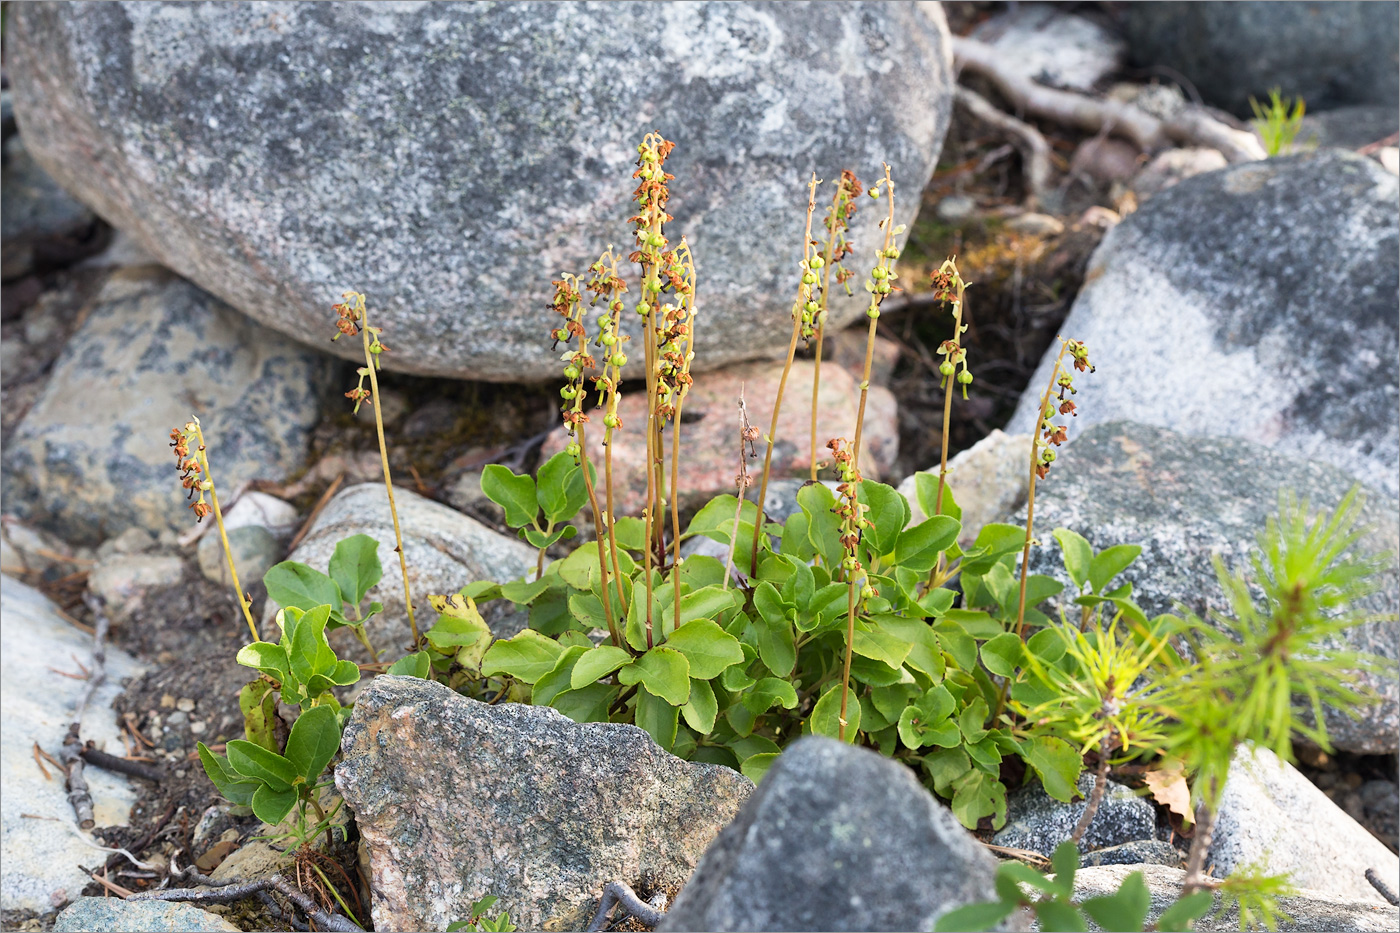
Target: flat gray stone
[[444, 549], [457, 799], [836, 838], [114, 915], [92, 457], [1330, 53], [1138, 852], [41, 844], [1271, 815], [1256, 302], [254, 548], [1043, 42], [1308, 910], [1183, 499], [253, 149], [1038, 822]]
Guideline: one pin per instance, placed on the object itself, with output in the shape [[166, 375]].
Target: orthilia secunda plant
[[837, 248], [803, 310], [195, 476], [849, 510], [608, 287], [948, 287], [880, 285], [353, 320]]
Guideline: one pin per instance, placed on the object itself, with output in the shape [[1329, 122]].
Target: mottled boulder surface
[[1330, 53], [450, 159], [92, 457], [1257, 302], [1183, 499], [114, 915], [1038, 822], [836, 838], [456, 799]]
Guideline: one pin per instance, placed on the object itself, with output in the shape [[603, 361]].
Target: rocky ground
[[1263, 314]]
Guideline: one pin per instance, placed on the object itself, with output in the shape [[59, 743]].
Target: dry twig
[[71, 754], [619, 892], [1035, 151], [225, 892]]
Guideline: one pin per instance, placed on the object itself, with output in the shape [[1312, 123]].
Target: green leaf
[[768, 691], [1021, 873], [1065, 862], [957, 644], [1183, 914], [272, 806], [879, 646], [596, 664], [1110, 562], [708, 649], [756, 766], [460, 629], [658, 717], [549, 613], [267, 657], [924, 654], [256, 762], [631, 533], [526, 657], [707, 602], [777, 646], [258, 703], [308, 650], [945, 766], [971, 720], [977, 794], [823, 527], [294, 585], [355, 567], [926, 492], [542, 539], [411, 665], [561, 490], [344, 673], [1002, 654], [1048, 645], [559, 677], [1077, 555], [515, 494], [1000, 539], [1061, 917], [918, 547], [1039, 588], [314, 741], [973, 623], [586, 704], [1057, 762], [700, 710], [826, 715], [975, 917], [664, 671], [800, 587], [887, 512], [232, 785], [1124, 910]]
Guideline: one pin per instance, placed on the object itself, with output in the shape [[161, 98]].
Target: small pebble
[[197, 728], [177, 718], [180, 772], [185, 704], [167, 701]]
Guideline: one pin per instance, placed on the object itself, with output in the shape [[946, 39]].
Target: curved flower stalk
[[849, 509], [607, 286], [948, 287], [354, 320], [195, 476], [838, 218]]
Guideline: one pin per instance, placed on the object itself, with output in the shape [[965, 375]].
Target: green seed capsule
[[608, 340], [809, 279], [619, 359], [879, 272], [571, 372], [946, 368], [643, 308], [965, 377], [572, 450], [611, 420], [812, 307], [568, 392], [816, 262], [656, 240]]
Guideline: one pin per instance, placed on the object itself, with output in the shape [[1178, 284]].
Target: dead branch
[[1035, 151], [71, 754], [619, 892], [100, 759], [1381, 887], [1095, 797], [1191, 125], [225, 892]]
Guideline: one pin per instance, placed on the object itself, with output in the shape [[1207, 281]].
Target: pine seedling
[[196, 477], [838, 219], [353, 320]]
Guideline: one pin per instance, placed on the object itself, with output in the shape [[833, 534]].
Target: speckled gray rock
[[1258, 302], [836, 838], [254, 548], [445, 550], [1184, 498], [1330, 53], [92, 457], [456, 799], [1349, 127], [1044, 42], [448, 160], [114, 915], [1137, 852], [1271, 815], [37, 211], [1038, 822], [1308, 910]]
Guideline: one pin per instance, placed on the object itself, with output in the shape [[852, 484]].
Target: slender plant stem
[[741, 481], [598, 536], [1095, 796], [223, 535], [612, 522], [821, 318], [782, 381], [874, 323], [676, 509], [1030, 499], [948, 404], [388, 480], [846, 664], [651, 474], [1195, 879]]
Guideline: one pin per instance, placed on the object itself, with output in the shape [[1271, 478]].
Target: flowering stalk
[[651, 196], [850, 511], [191, 466], [838, 216], [353, 319], [804, 310], [949, 288], [1041, 457], [607, 285], [880, 284], [568, 303], [677, 356]]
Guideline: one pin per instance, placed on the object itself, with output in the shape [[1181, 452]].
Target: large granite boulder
[[457, 799], [1330, 53], [836, 838], [450, 159], [1184, 499], [92, 456], [1257, 302]]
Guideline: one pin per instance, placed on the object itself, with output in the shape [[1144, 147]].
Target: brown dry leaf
[[1168, 787]]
